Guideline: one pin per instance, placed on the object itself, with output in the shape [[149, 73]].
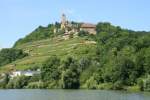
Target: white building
[[25, 73]]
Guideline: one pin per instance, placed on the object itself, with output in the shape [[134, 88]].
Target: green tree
[[9, 55], [20, 82], [4, 81], [50, 71], [70, 75]]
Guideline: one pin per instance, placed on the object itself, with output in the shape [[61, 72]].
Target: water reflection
[[71, 95]]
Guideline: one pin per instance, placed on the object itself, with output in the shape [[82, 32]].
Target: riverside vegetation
[[119, 60]]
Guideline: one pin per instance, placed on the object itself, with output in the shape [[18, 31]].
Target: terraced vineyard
[[39, 51]]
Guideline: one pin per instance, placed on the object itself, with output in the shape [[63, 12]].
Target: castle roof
[[88, 25]]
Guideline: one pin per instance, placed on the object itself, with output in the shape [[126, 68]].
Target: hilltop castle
[[63, 21], [72, 27]]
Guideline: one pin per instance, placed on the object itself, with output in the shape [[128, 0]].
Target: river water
[[71, 95]]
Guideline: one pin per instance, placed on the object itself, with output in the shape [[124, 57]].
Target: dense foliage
[[9, 55], [66, 74], [124, 55]]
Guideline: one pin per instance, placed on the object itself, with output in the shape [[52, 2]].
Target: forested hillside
[[124, 56], [39, 34], [120, 59]]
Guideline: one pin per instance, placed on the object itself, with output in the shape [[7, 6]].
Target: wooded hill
[[120, 59]]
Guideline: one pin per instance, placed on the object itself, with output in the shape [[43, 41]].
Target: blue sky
[[20, 17]]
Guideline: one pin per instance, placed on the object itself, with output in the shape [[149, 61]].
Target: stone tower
[[63, 21]]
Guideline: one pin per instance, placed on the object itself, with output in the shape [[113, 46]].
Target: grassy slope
[[39, 51]]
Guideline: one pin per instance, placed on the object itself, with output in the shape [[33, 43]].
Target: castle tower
[[63, 21]]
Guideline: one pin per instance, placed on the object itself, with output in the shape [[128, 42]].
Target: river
[[71, 95]]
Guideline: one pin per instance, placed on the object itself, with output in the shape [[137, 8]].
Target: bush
[[106, 86], [91, 83], [4, 81], [18, 82], [83, 33], [36, 85], [140, 84], [146, 84], [118, 85]]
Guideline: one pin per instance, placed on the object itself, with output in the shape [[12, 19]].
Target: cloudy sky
[[20, 17]]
